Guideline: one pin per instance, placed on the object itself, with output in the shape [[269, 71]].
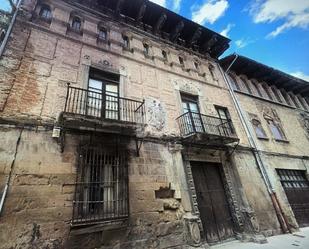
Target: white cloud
[[171, 4], [243, 42], [301, 75], [176, 5], [210, 11], [160, 2], [293, 13], [225, 32]]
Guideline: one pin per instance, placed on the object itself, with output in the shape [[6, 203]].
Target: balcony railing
[[191, 123], [98, 105]]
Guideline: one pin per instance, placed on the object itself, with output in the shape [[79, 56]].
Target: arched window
[[276, 93], [259, 131], [234, 82], [244, 81], [45, 12], [276, 129], [265, 87], [76, 23], [102, 34], [255, 85]]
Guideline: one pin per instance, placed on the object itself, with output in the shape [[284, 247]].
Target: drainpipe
[[8, 32], [5, 191], [256, 152]]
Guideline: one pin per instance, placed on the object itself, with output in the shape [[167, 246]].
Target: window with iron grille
[[101, 192], [45, 12], [293, 179]]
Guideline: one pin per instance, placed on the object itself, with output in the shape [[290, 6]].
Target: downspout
[[9, 31], [6, 188], [256, 152]]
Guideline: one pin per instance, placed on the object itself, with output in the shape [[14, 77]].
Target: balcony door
[[226, 127], [192, 114], [103, 98]]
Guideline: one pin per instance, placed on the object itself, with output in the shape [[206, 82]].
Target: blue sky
[[274, 32]]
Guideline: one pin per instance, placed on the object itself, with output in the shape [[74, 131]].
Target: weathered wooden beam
[[119, 6], [141, 12], [208, 45], [176, 32], [159, 24], [196, 36], [304, 89]]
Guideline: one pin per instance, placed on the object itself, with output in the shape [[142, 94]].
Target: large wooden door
[[296, 187], [212, 202]]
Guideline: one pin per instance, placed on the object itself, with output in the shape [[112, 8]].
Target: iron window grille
[[293, 179], [101, 192]]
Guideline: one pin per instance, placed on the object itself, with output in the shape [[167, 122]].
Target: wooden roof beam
[[119, 6], [159, 24], [176, 32], [141, 12], [208, 45], [196, 36]]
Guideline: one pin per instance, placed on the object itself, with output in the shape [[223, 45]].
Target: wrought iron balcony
[[206, 128], [105, 109]]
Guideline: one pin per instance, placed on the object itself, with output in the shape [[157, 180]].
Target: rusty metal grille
[[101, 192], [296, 187]]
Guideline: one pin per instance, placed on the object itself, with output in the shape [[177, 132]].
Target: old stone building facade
[[276, 106], [119, 129]]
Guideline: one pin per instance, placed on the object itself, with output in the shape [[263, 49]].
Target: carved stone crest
[[155, 114]]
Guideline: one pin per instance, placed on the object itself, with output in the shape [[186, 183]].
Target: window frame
[[45, 7], [272, 123], [261, 129]]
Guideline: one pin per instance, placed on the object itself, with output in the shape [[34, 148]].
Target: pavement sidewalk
[[298, 240]]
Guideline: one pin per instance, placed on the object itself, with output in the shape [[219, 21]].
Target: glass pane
[[112, 89], [111, 101], [193, 107], [276, 131], [94, 101], [95, 85]]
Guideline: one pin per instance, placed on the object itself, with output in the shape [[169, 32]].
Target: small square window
[[76, 24], [126, 42], [146, 49], [196, 65], [181, 61], [164, 55], [45, 12], [102, 34]]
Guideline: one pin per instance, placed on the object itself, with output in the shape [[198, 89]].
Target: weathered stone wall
[[38, 206], [37, 65], [39, 61], [290, 154]]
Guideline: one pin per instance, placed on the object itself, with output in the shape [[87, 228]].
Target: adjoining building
[[276, 105], [120, 129]]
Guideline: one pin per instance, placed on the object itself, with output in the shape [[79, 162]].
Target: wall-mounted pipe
[[9, 31], [6, 188], [256, 151]]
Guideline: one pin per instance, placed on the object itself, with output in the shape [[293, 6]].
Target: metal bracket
[[138, 145]]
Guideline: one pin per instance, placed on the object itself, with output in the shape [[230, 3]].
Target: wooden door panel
[[212, 202]]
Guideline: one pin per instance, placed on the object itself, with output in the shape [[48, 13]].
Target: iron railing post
[[66, 99]]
